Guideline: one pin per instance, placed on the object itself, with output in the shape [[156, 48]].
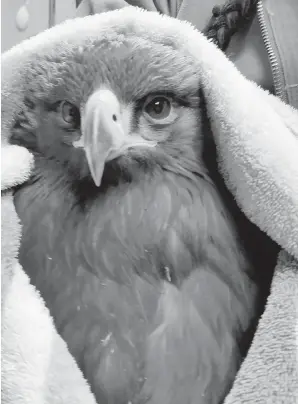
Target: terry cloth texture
[[257, 144], [36, 365]]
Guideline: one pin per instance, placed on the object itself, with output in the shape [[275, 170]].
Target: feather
[[112, 284]]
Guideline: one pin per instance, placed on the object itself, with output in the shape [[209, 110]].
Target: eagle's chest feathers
[[137, 277], [147, 228]]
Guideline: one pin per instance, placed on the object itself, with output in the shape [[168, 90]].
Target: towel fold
[[36, 365], [257, 144], [269, 373]]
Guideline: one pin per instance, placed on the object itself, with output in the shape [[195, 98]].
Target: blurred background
[[20, 19]]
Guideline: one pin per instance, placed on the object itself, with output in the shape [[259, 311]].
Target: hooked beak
[[104, 136]]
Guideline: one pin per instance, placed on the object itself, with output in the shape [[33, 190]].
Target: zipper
[[52, 12], [275, 68]]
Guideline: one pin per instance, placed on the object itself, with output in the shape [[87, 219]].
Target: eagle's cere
[[125, 233]]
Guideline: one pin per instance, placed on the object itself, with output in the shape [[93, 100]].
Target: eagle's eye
[[70, 114], [157, 107]]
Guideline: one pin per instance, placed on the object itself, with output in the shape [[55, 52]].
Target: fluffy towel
[[36, 365], [257, 142]]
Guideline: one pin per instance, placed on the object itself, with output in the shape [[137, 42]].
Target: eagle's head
[[113, 108]]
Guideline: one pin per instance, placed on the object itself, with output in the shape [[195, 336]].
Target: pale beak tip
[[97, 182], [96, 167], [97, 177]]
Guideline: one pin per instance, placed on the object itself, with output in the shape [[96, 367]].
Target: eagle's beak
[[104, 136]]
